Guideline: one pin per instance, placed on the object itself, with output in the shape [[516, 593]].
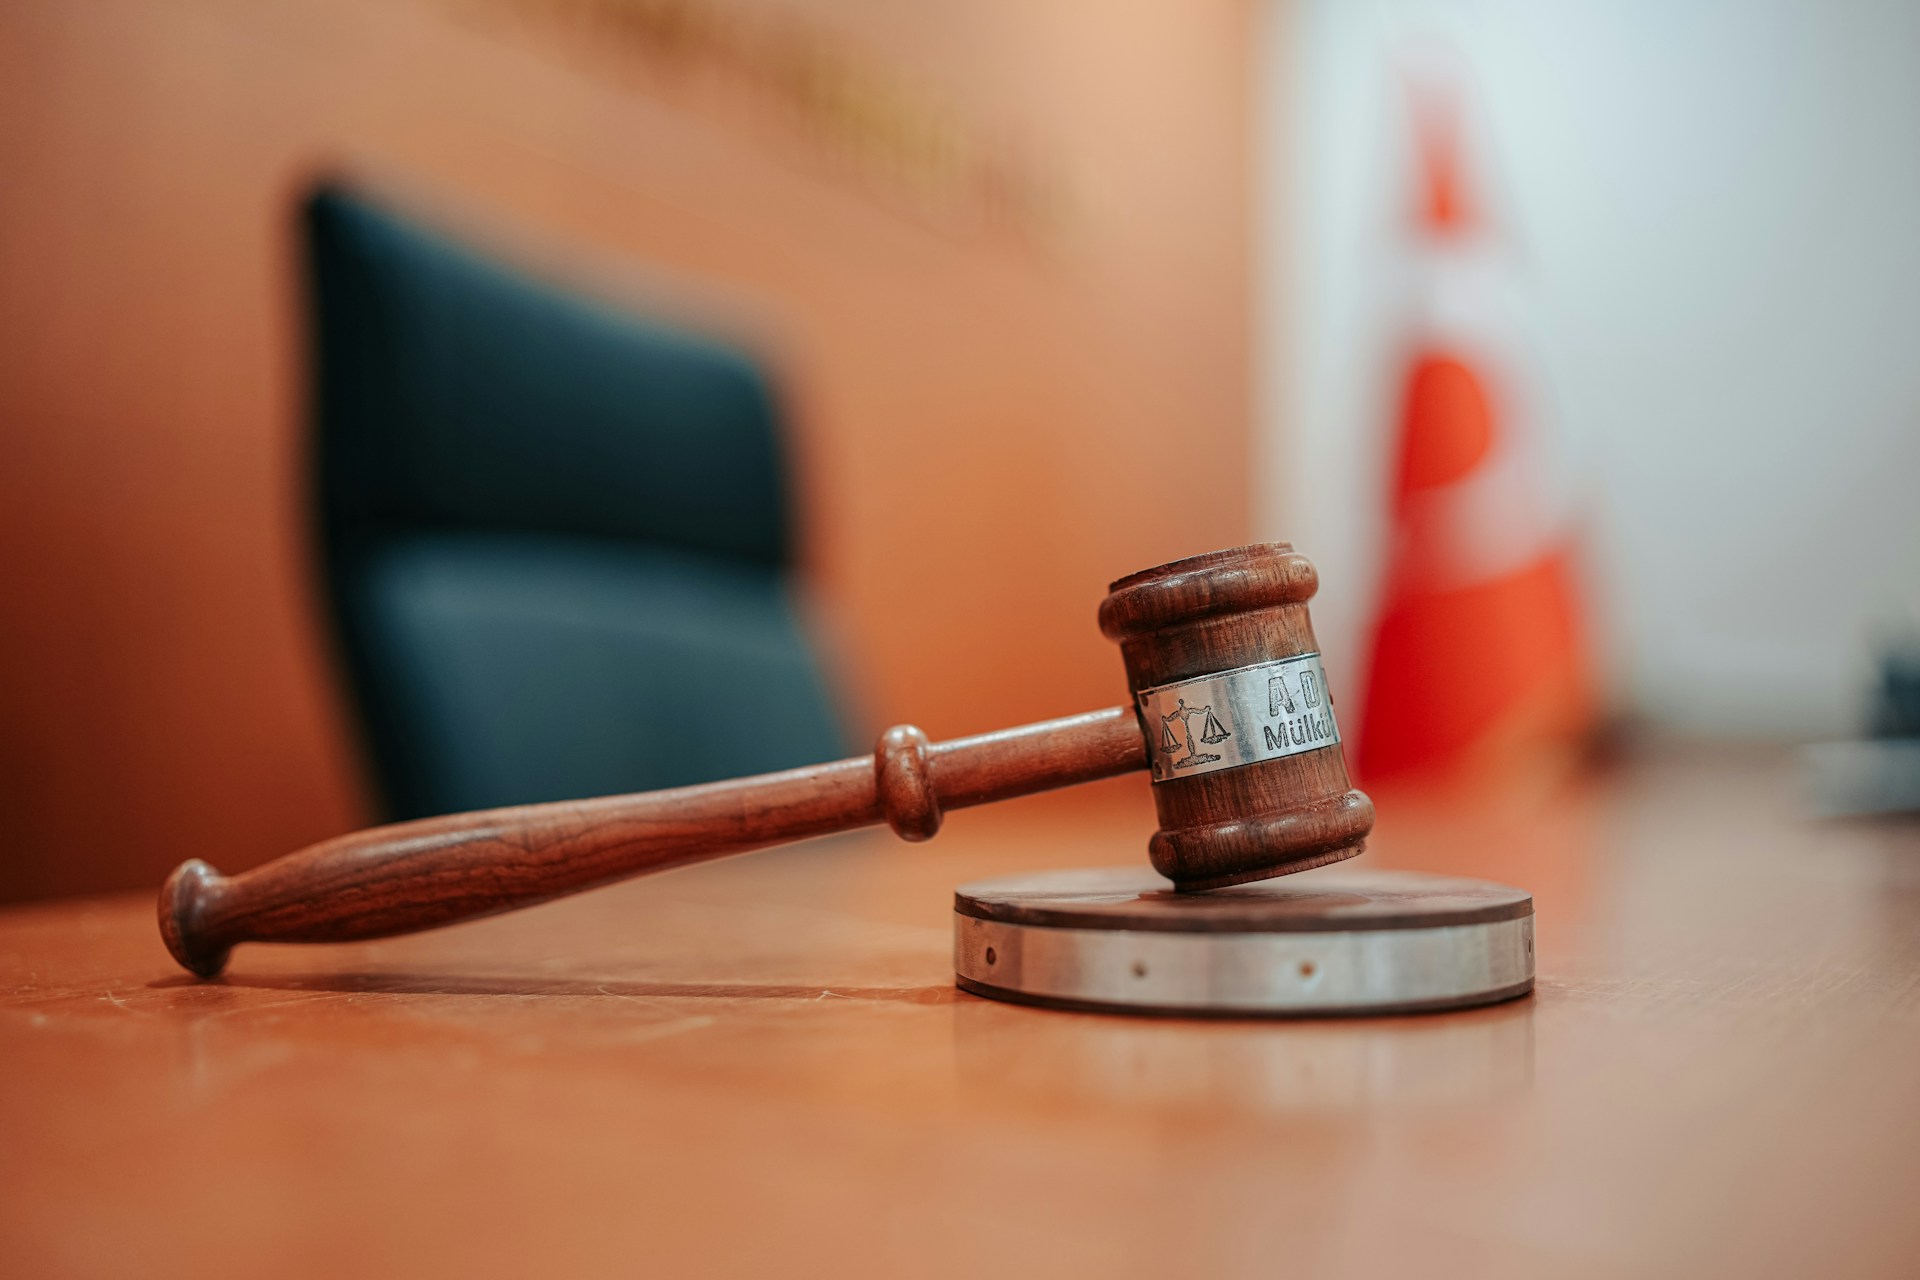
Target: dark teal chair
[[556, 539]]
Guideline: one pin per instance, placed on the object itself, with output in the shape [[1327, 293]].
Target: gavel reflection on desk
[[1231, 714]]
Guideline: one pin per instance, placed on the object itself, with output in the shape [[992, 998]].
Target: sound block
[[1330, 941]]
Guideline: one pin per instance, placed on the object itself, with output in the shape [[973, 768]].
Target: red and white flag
[[1480, 653]]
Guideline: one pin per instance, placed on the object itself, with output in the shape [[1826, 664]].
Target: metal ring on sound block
[[1331, 941]]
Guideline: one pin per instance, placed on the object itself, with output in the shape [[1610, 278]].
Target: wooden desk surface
[[761, 1067]]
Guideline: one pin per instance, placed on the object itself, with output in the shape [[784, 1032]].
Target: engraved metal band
[[1239, 717]]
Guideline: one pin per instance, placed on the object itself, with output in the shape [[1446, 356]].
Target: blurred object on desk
[[1878, 774], [1895, 709]]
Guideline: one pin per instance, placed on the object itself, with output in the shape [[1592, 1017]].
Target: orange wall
[[994, 417]]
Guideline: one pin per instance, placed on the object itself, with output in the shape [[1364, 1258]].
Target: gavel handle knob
[[436, 871]]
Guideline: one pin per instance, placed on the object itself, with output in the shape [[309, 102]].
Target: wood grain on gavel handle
[[436, 871]]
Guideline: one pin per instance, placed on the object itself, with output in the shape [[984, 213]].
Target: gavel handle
[[435, 871]]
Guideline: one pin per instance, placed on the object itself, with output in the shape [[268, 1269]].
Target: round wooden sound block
[[1331, 941]]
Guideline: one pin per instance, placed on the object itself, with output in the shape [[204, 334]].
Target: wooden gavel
[[1231, 715]]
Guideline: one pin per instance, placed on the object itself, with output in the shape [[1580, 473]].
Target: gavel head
[[1247, 771]]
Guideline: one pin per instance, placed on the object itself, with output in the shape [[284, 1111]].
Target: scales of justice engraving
[[1211, 732]]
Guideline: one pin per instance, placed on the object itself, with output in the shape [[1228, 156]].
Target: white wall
[[1710, 214]]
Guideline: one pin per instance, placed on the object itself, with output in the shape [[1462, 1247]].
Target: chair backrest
[[556, 538]]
